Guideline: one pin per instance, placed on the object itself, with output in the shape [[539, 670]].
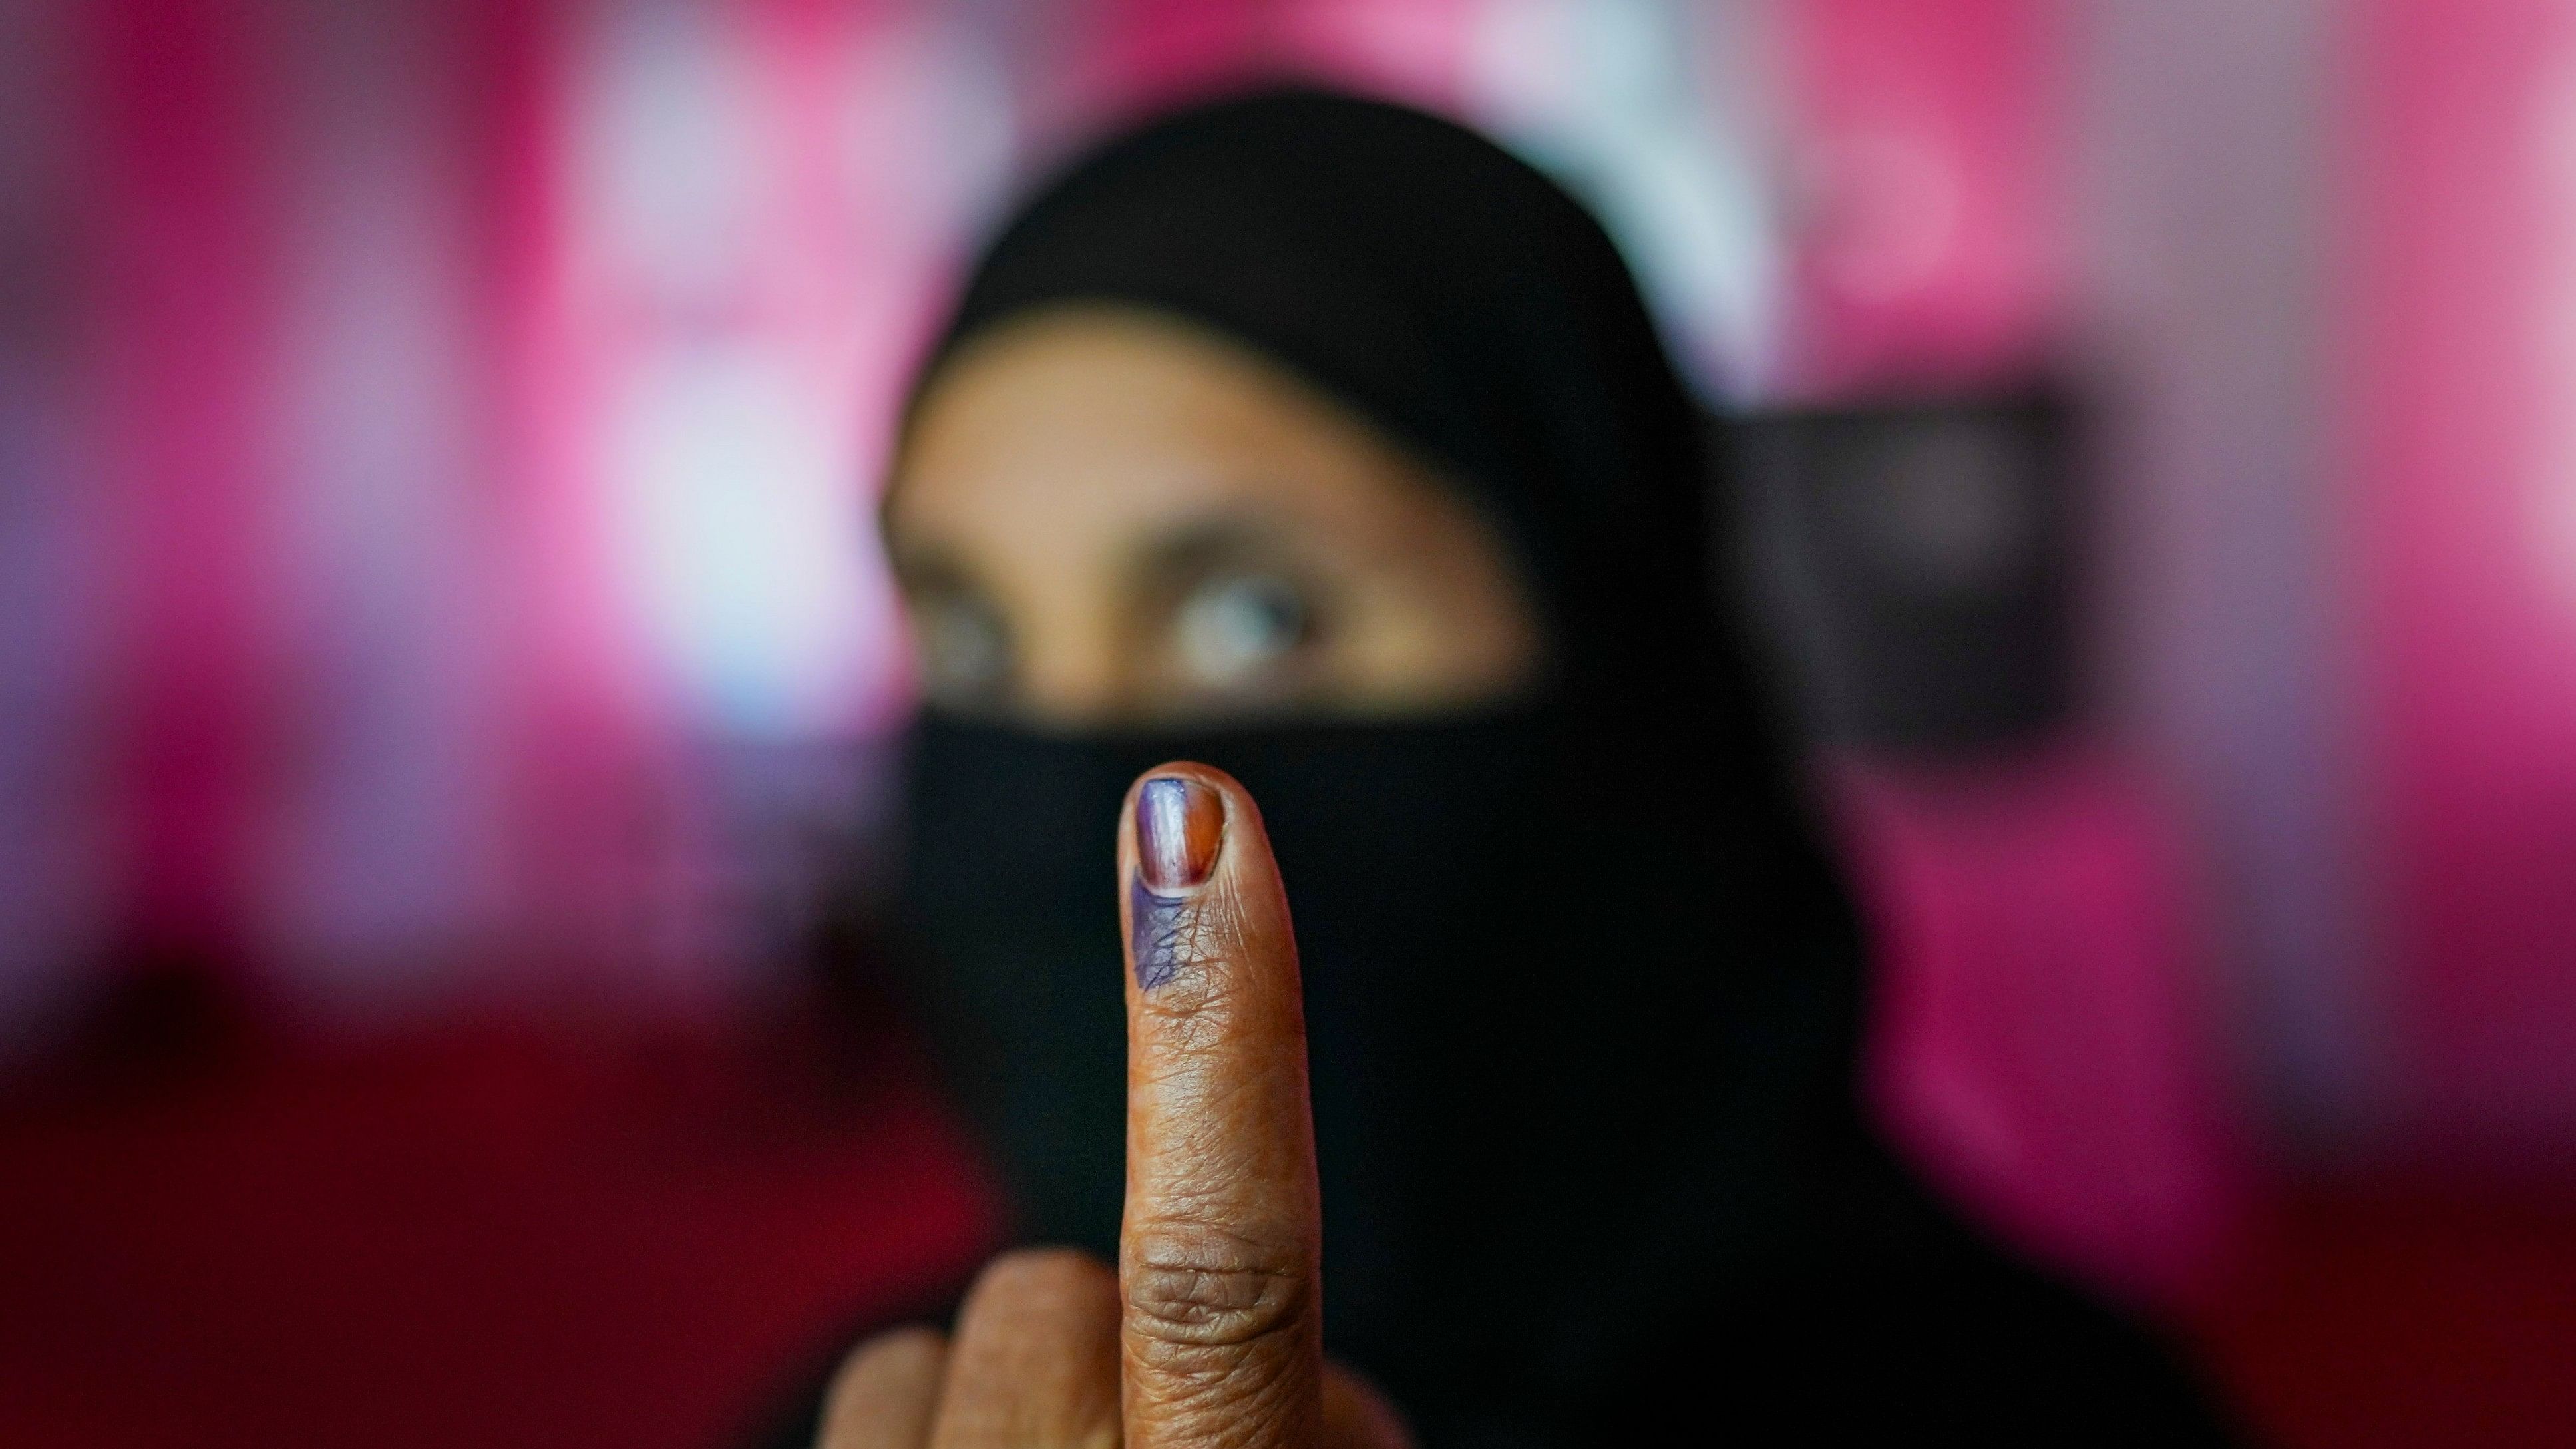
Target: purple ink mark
[[1159, 928]]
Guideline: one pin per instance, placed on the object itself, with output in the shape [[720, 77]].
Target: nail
[[1179, 825]]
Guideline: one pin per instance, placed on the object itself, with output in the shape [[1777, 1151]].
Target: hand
[[1209, 1333]]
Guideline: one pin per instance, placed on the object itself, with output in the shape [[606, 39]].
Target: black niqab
[[1582, 991]]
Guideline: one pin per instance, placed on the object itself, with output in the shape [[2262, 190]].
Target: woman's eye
[[1232, 629], [965, 648]]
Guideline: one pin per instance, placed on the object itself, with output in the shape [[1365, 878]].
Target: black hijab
[[1582, 991]]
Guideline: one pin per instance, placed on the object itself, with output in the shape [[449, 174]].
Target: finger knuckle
[[1210, 1289], [910, 1343], [883, 1366], [1039, 1275]]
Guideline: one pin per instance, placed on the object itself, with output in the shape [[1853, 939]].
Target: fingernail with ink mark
[[1179, 825]]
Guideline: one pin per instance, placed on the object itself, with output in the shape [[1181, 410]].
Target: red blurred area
[[485, 1235], [2394, 1312]]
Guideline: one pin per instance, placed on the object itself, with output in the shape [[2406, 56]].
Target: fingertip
[[1197, 770], [1182, 783], [1035, 1358], [1046, 1277], [1178, 821], [885, 1391], [891, 1354], [1196, 872]]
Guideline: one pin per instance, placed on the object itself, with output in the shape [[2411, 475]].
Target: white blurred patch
[[1613, 97], [740, 528], [2552, 500], [766, 222], [667, 168]]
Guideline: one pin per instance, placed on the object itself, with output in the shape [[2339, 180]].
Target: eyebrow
[[1201, 545]]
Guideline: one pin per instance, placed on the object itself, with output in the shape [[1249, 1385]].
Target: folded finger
[[1035, 1361], [885, 1393]]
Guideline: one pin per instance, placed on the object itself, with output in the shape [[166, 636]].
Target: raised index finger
[[1218, 1255]]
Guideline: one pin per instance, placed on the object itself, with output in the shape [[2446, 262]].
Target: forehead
[[1070, 429]]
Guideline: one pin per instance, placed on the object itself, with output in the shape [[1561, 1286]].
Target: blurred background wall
[[436, 578], [445, 438]]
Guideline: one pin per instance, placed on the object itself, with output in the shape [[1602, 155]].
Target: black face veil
[[1581, 990]]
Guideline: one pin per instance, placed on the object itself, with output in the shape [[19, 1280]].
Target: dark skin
[[1208, 1333], [1101, 518]]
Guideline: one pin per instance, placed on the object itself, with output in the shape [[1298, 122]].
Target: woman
[[1321, 441]]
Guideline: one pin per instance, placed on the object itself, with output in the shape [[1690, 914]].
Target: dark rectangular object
[[1913, 566]]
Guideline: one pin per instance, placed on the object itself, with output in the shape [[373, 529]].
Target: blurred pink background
[[442, 626]]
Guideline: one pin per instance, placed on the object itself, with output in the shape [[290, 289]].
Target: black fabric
[[1465, 304], [1582, 990]]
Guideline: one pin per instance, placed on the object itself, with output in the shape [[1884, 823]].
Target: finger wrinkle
[[1232, 1396], [1206, 1287], [1203, 1097]]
